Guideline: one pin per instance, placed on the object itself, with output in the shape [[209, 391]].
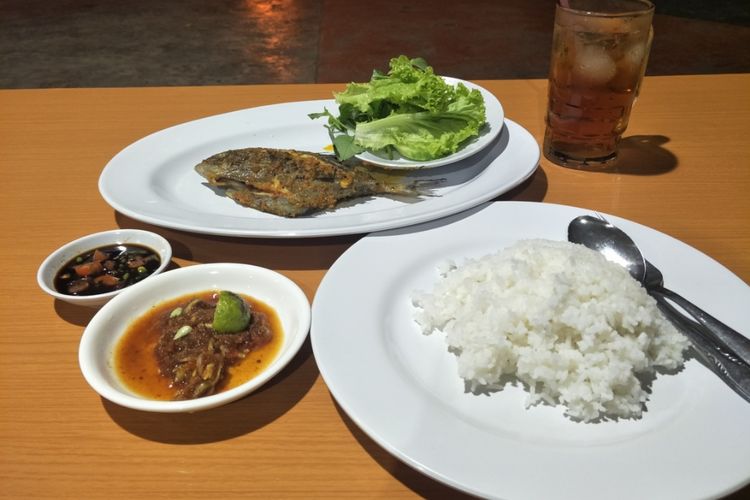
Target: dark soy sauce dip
[[106, 269]]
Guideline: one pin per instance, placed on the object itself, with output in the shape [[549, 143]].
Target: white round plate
[[153, 180], [99, 340], [402, 387], [495, 116]]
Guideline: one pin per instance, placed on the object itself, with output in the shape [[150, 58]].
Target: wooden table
[[685, 172]]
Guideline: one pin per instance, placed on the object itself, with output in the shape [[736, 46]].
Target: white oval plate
[[402, 387], [495, 117], [96, 350], [153, 180]]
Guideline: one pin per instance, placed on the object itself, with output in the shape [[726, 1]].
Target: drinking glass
[[599, 54]]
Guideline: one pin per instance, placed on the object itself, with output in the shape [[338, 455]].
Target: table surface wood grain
[[685, 171]]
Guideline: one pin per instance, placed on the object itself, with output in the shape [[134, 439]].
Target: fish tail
[[419, 187], [425, 186]]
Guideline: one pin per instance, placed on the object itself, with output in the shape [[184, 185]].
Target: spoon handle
[[733, 371], [733, 339]]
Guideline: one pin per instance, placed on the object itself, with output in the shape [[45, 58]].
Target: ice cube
[[629, 67], [604, 25], [594, 66], [634, 54]]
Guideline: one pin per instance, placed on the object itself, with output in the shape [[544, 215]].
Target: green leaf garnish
[[409, 111]]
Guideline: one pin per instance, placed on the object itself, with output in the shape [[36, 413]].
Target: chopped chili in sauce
[[173, 353]]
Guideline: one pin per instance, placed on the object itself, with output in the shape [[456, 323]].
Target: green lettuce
[[409, 110]]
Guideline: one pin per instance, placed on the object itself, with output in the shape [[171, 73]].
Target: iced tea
[[599, 54]]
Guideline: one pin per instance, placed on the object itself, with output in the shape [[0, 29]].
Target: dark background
[[88, 43]]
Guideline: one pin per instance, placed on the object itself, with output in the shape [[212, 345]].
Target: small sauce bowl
[[56, 260], [100, 339]]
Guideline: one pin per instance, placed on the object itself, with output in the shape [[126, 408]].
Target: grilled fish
[[289, 183]]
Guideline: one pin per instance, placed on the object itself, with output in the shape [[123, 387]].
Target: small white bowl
[[45, 276], [99, 341]]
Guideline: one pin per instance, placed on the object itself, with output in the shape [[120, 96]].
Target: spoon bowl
[[614, 244]]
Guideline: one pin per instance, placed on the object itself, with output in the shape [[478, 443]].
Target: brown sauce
[[136, 362]]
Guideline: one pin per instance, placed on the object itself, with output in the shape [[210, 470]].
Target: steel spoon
[[731, 338], [723, 349]]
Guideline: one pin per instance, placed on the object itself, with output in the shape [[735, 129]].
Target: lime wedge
[[232, 314]]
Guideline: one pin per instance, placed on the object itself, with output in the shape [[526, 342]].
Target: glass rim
[[648, 7]]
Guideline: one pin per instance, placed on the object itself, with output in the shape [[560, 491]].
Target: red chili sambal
[[173, 353]]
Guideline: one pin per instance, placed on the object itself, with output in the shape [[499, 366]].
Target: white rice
[[572, 326]]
